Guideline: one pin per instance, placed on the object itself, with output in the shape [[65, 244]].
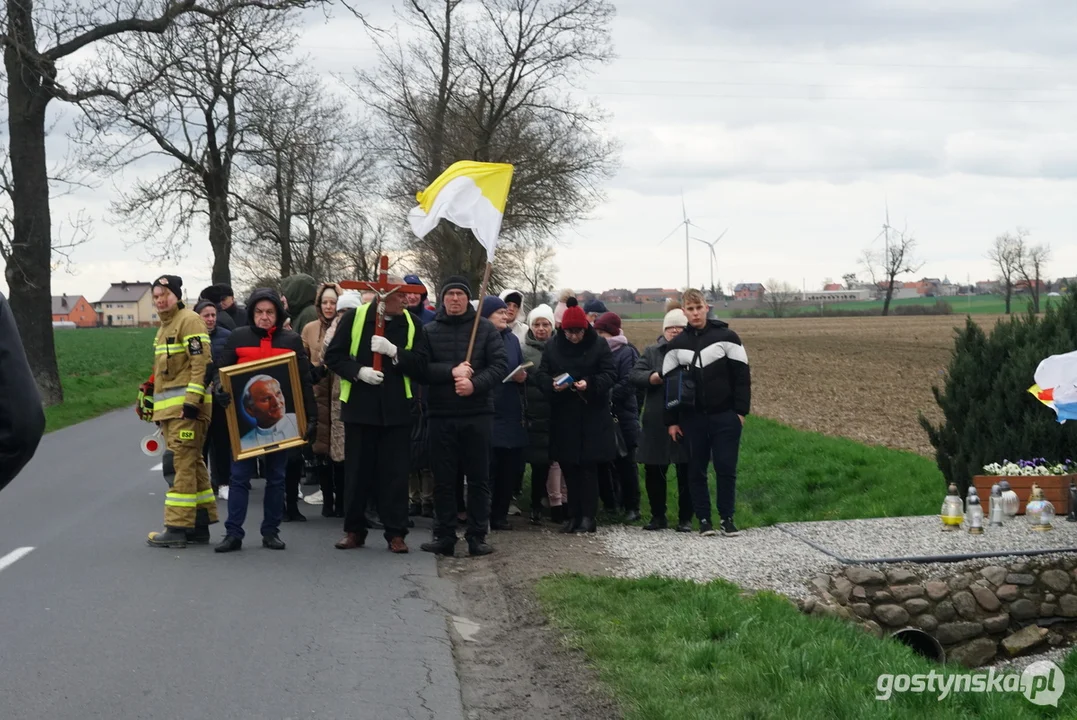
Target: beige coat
[[336, 437], [314, 341]]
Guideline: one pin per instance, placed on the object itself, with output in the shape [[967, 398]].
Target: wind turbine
[[714, 258], [687, 224]]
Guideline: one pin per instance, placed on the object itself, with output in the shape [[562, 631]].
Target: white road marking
[[158, 467], [14, 556]]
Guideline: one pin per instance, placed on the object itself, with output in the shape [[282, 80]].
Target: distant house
[[1022, 286], [839, 295], [612, 296], [832, 287], [73, 310], [987, 287], [657, 295], [749, 291], [127, 304], [902, 290]]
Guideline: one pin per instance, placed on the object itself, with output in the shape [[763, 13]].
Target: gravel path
[[922, 536], [758, 558]]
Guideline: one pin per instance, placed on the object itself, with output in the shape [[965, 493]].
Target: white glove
[[371, 376], [379, 344]]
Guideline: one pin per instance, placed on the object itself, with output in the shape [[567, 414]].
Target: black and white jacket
[[718, 366]]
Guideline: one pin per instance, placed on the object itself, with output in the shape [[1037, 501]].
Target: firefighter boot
[[200, 534], [172, 537]]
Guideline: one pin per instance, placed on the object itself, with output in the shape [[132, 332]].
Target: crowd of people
[[441, 412]]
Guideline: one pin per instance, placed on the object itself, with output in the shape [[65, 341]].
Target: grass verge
[[680, 650], [101, 370]]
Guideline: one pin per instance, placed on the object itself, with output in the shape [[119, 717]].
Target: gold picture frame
[[251, 383]]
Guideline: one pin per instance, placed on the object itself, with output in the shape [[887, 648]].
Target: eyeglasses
[[575, 331]]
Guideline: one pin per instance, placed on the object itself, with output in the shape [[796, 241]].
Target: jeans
[[713, 436], [273, 504]]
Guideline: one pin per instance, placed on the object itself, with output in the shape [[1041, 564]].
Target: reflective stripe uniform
[[182, 355]]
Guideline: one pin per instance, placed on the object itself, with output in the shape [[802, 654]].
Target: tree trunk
[[889, 295], [29, 270], [1009, 297], [220, 230]]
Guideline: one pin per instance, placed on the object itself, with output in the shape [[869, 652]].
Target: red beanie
[[609, 323], [574, 318]]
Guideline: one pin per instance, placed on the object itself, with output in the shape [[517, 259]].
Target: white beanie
[[675, 318], [349, 300], [540, 311]]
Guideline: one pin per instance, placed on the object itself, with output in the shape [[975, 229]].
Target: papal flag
[[469, 194]]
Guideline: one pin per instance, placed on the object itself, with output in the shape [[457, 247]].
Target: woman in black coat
[[581, 426], [623, 471]]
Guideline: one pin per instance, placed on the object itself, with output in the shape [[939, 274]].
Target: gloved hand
[[318, 373], [191, 412], [221, 397], [312, 429], [381, 345], [371, 376]]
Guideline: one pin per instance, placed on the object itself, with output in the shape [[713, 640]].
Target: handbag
[[619, 438]]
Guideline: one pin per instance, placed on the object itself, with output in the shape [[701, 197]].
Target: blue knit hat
[[595, 306], [491, 304]]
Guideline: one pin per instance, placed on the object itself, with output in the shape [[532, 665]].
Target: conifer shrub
[[989, 415]]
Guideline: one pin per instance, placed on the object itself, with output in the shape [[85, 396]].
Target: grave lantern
[[975, 516], [1010, 502], [1039, 512], [994, 508], [951, 509]]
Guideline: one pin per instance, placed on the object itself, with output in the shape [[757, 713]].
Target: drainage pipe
[[924, 558], [921, 643]]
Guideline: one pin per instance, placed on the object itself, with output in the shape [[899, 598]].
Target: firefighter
[[182, 407]]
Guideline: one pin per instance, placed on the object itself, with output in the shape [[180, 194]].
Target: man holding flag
[[463, 354]]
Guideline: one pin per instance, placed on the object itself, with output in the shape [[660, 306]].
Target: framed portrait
[[266, 414]]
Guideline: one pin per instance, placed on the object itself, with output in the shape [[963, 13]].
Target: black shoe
[[170, 538], [569, 526], [587, 525], [684, 527], [198, 536], [535, 517], [706, 529], [428, 511], [500, 525], [728, 528], [327, 510], [632, 516], [293, 515], [273, 542], [477, 546], [415, 509], [557, 514], [442, 546], [230, 544], [658, 522]]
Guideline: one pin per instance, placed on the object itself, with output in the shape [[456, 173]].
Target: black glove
[[312, 430], [318, 373], [191, 412], [222, 398]]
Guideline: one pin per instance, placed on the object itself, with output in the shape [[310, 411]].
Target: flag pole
[[478, 310]]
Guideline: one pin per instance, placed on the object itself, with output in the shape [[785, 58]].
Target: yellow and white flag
[[469, 194]]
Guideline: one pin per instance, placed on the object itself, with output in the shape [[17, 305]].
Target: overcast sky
[[792, 124]]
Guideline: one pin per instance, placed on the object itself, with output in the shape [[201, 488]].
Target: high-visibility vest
[[357, 335]]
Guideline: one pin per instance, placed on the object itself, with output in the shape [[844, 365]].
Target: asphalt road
[[96, 624]]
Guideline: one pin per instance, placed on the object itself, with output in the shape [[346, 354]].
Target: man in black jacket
[[22, 420], [263, 338], [708, 395], [461, 410], [376, 407]]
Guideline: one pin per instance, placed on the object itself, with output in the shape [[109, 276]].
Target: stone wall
[[999, 609]]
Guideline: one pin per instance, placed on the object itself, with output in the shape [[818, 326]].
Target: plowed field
[[861, 378]]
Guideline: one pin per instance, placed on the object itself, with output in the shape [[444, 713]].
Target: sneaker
[[706, 529], [513, 510], [222, 492], [315, 498], [658, 522], [728, 528], [684, 527]]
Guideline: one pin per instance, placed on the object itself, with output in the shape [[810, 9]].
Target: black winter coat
[[655, 445], [444, 347], [386, 404], [581, 425], [625, 406], [537, 405], [253, 343], [22, 419], [719, 365], [510, 430]]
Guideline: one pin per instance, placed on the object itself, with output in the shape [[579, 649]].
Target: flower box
[[1056, 488]]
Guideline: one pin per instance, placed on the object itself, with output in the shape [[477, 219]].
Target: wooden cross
[[382, 289]]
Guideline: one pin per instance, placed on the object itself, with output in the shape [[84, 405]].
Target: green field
[[974, 304], [101, 369]]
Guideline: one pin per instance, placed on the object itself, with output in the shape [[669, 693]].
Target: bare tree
[[850, 280], [491, 86], [780, 297], [538, 273], [33, 81], [1005, 254], [897, 258], [1031, 265]]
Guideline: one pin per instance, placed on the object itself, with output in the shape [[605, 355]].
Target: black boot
[[292, 514], [536, 517], [230, 544], [557, 514], [440, 546], [569, 526], [632, 516], [200, 534], [172, 537], [477, 546], [587, 525], [658, 522]]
